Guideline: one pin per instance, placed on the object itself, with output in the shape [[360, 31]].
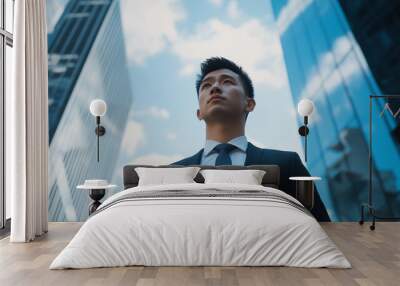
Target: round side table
[[96, 193], [305, 190]]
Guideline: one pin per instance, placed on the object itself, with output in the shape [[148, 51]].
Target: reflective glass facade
[[89, 63], [376, 27], [324, 63], [69, 45]]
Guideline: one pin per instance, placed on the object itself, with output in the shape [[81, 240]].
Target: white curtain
[[27, 123]]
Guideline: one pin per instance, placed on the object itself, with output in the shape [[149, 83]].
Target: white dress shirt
[[238, 155]]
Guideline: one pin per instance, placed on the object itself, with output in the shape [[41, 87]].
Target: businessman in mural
[[226, 97]]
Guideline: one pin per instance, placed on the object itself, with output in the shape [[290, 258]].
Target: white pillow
[[163, 176], [248, 177]]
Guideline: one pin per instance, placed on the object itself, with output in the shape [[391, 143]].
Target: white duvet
[[200, 231]]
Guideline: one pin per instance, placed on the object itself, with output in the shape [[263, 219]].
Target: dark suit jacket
[[289, 163]]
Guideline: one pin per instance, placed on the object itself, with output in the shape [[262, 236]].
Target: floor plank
[[374, 255]]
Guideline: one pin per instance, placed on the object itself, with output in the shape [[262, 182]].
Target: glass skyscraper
[[69, 46], [376, 27], [324, 63], [87, 60]]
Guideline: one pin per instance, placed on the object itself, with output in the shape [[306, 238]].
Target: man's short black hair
[[217, 63]]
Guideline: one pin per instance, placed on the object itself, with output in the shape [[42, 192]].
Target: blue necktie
[[223, 154]]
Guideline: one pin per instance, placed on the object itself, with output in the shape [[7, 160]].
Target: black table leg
[[96, 195], [305, 193]]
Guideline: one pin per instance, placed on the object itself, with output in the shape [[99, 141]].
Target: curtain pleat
[[28, 121]]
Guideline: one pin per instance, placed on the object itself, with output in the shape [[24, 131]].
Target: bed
[[201, 224]]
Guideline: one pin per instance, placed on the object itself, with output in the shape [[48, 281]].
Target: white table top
[[305, 178], [87, 187]]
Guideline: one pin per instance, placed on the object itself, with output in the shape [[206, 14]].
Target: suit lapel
[[253, 155]]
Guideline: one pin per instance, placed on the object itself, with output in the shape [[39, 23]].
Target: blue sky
[[164, 57]]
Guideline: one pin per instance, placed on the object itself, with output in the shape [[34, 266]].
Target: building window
[[6, 45]]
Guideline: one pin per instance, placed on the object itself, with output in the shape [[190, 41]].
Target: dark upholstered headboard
[[270, 179]]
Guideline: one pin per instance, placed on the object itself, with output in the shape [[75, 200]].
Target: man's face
[[222, 97]]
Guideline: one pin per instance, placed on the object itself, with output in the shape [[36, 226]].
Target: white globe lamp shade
[[305, 107], [98, 107]]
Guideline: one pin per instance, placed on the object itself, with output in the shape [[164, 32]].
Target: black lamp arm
[[303, 131], [100, 131]]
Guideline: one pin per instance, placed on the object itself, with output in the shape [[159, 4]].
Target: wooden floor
[[374, 255]]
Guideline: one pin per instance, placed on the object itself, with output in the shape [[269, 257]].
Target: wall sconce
[[305, 108], [98, 108]]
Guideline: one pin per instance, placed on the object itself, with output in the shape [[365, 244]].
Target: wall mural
[[143, 57]]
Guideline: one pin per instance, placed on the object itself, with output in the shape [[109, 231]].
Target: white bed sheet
[[200, 231]]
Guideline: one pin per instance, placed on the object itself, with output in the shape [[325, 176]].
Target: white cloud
[[233, 9], [326, 72], [134, 137], [157, 159], [149, 26], [253, 45], [290, 12], [154, 111], [216, 3], [171, 136], [188, 69], [158, 112]]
